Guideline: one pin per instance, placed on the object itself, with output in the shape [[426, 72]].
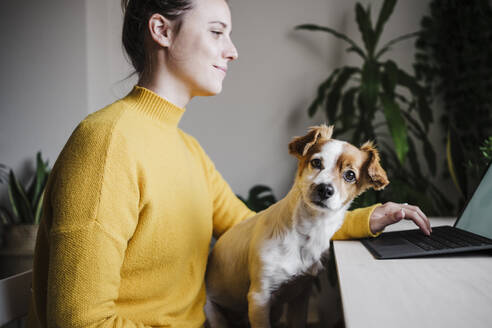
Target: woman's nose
[[231, 52]]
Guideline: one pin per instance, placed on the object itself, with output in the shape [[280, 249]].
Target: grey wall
[[43, 90], [69, 63]]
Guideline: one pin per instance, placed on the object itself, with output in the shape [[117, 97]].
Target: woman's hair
[[137, 14]]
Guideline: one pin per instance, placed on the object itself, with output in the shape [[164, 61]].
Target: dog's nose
[[325, 190]]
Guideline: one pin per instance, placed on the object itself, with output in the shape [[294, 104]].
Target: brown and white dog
[[252, 260]]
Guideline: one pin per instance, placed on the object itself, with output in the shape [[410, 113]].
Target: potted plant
[[20, 223], [259, 198], [454, 59], [351, 98]]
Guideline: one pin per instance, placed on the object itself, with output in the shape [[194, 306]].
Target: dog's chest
[[297, 253]]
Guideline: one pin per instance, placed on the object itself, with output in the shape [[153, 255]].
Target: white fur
[[300, 250], [330, 152]]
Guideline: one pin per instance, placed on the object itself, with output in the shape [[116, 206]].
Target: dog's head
[[331, 173]]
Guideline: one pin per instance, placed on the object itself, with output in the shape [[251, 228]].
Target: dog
[[252, 262]]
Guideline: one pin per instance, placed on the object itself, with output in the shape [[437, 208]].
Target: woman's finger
[[420, 213], [413, 215]]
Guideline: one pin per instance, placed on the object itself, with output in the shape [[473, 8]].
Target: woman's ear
[[160, 30]]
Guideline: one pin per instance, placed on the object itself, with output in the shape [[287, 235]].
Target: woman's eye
[[217, 32], [316, 163], [349, 176]]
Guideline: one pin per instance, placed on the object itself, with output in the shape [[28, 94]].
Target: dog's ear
[[376, 174], [299, 146]]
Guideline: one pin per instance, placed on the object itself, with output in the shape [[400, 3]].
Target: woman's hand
[[390, 213]]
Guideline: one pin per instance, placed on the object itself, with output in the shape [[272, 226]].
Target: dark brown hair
[[137, 14]]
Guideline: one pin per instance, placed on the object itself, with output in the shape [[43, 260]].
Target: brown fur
[[299, 146], [351, 159], [304, 147], [376, 175]]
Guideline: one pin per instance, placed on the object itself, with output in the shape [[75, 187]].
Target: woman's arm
[[94, 208], [391, 213], [356, 224], [371, 221]]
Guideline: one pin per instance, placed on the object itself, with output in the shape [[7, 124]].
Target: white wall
[[245, 129]]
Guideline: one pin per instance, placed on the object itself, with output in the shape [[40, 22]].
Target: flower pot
[[17, 252], [21, 237]]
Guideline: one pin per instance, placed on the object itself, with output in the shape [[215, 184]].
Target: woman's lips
[[223, 69]]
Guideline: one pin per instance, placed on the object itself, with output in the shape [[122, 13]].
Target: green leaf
[[363, 18], [41, 176], [384, 15], [402, 98], [389, 77], [335, 92], [19, 201], [313, 27], [388, 45], [348, 107], [352, 49], [359, 130], [39, 209], [38, 182], [396, 126], [370, 86], [31, 190], [321, 95]]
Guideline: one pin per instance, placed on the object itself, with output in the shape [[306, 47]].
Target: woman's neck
[[164, 84]]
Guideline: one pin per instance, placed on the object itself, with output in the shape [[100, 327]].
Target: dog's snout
[[325, 190]]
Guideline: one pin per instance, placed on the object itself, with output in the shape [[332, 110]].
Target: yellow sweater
[[129, 212]]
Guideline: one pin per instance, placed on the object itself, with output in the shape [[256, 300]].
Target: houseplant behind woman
[[133, 201], [20, 223]]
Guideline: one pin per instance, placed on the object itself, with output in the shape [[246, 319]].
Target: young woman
[[132, 201]]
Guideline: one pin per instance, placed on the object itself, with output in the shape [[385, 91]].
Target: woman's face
[[200, 52]]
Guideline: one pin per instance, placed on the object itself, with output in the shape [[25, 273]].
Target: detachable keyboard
[[444, 237]]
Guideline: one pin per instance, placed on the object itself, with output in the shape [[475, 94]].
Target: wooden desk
[[445, 291]]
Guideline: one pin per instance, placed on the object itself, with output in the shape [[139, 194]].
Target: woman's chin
[[210, 91]]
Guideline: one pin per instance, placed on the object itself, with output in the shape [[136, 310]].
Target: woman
[[132, 201]]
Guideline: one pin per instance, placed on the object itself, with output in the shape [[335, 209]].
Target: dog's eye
[[349, 176], [316, 163]]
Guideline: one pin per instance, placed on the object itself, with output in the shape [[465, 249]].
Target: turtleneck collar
[[155, 106]]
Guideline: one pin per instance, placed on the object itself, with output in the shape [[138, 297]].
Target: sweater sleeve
[[356, 224], [228, 209], [94, 207]]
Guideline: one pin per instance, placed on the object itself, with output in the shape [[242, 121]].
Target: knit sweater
[[129, 211]]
